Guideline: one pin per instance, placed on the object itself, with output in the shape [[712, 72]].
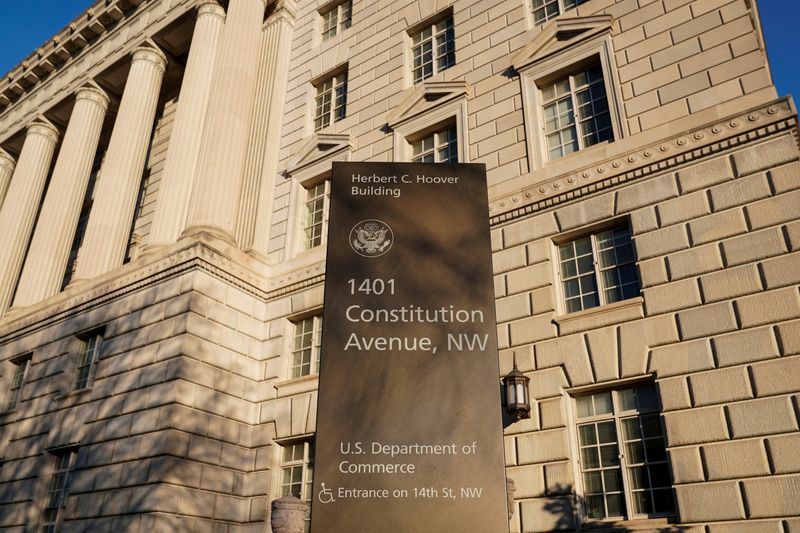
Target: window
[[57, 489], [316, 214], [623, 459], [433, 49], [331, 101], [337, 19], [438, 147], [598, 269], [306, 346], [544, 10], [576, 113], [87, 359], [21, 365], [297, 470]]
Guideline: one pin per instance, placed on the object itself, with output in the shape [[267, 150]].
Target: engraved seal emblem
[[371, 238]]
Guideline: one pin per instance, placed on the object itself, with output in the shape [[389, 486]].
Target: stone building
[[163, 225]]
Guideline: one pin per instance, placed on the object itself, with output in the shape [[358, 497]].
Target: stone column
[[177, 182], [7, 165], [49, 251], [120, 176], [22, 202], [215, 199], [265, 137]]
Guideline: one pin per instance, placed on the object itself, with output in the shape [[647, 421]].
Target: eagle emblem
[[371, 238]]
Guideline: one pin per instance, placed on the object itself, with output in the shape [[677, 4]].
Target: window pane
[[586, 433], [602, 403], [663, 501], [593, 482], [609, 455], [590, 458], [595, 507], [616, 505]]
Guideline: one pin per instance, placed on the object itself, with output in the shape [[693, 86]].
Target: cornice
[[194, 255], [98, 37], [691, 146]]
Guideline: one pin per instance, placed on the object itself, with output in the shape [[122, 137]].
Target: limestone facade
[[162, 188]]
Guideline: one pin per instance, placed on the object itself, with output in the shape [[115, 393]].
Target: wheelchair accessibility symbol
[[326, 495]]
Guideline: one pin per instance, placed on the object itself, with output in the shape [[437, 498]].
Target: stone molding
[[426, 97], [548, 41], [203, 254], [46, 76], [744, 128]]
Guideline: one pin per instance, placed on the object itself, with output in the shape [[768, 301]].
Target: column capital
[[152, 55], [6, 160], [44, 129], [285, 11], [210, 8], [94, 95]]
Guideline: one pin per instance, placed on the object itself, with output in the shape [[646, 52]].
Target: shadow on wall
[[564, 516]]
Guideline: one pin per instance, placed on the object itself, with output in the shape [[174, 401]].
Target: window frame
[[316, 345], [592, 232], [450, 130], [593, 46], [571, 95], [15, 390], [83, 382], [531, 10], [307, 475], [62, 493], [339, 79], [431, 23], [616, 416], [325, 212], [340, 25]]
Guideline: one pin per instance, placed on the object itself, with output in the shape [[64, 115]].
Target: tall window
[[576, 113], [297, 470], [438, 147], [623, 459], [598, 269], [433, 49], [337, 19], [316, 213], [331, 101], [21, 365], [87, 360], [306, 346], [544, 10], [57, 490]]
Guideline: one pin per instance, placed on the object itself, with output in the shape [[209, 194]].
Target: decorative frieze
[[655, 158]]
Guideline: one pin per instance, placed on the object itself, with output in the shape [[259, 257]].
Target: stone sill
[[665, 524], [294, 386], [604, 315]]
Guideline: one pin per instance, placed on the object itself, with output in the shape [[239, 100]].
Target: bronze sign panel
[[409, 432]]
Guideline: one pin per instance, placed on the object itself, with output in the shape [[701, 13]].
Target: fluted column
[[22, 202], [7, 165], [215, 199], [120, 176], [48, 254], [177, 182], [262, 154]]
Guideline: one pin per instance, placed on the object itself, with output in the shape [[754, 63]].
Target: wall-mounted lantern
[[518, 403]]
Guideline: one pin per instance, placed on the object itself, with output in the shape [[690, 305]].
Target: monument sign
[[409, 432]]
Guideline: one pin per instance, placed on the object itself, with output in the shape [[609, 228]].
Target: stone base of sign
[[288, 515]]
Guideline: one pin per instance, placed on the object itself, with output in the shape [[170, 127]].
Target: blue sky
[[26, 24]]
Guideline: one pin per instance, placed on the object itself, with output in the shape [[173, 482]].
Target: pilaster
[[120, 176], [18, 212], [215, 199], [180, 168], [47, 257]]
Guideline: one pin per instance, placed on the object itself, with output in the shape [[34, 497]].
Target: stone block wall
[[716, 329], [170, 434]]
